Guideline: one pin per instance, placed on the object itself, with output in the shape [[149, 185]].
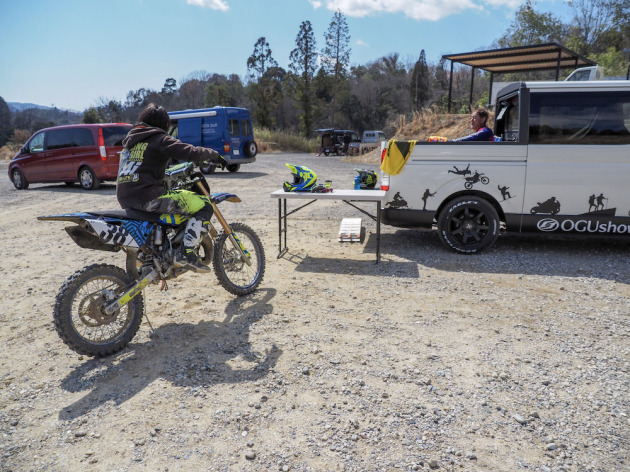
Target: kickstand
[[144, 295]]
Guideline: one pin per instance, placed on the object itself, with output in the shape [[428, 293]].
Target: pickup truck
[[561, 166], [370, 140]]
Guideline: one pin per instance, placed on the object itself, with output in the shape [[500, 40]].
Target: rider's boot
[[187, 256]]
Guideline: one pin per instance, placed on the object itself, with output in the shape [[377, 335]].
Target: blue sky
[[73, 53]]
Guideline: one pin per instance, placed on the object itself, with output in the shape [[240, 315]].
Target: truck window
[[234, 128], [507, 119], [579, 118], [246, 129]]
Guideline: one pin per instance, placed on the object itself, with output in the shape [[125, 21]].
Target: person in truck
[[478, 122]]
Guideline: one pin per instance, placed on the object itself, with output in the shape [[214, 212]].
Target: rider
[[147, 149], [478, 121]]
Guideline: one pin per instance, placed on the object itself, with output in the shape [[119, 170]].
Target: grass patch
[[283, 141]]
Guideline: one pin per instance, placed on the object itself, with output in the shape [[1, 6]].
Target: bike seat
[[129, 213]]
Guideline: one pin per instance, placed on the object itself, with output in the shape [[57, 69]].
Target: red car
[[88, 154]]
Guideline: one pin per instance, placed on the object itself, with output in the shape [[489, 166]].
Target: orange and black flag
[[396, 157]]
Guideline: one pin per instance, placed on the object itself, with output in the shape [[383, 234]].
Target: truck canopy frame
[[539, 57]]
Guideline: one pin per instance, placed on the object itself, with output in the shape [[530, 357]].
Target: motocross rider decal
[[469, 177], [551, 206], [457, 171], [397, 202], [473, 179]]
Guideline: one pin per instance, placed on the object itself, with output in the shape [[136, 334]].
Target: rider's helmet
[[367, 178], [303, 179]]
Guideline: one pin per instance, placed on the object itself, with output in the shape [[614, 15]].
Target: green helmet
[[303, 179], [367, 178]]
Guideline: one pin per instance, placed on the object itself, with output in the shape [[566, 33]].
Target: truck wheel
[[468, 224], [233, 167]]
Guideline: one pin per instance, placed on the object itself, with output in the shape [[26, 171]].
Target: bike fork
[[236, 242], [137, 287]]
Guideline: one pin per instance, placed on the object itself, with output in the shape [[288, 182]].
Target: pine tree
[[336, 56], [419, 85], [266, 93], [303, 65]]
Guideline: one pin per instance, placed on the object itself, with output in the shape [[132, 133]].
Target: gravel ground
[[516, 359]]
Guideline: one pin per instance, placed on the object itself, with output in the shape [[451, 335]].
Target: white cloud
[[432, 10], [360, 42], [212, 4]]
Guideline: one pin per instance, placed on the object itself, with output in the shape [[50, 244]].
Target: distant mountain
[[15, 106]]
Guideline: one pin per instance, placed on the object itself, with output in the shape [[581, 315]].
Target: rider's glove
[[221, 162]]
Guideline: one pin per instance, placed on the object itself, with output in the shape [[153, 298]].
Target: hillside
[[424, 124]]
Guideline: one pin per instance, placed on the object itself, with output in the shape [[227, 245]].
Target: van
[[86, 153], [227, 130], [561, 167]]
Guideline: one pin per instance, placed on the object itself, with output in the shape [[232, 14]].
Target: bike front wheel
[[80, 317], [234, 274]]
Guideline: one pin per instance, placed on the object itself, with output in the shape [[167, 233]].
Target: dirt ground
[[516, 359]]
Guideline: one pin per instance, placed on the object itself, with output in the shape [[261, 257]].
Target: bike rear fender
[[93, 232]]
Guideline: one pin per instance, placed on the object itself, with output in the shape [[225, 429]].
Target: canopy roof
[[522, 59]]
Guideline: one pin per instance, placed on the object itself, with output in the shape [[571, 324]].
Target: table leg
[[378, 232], [282, 226]]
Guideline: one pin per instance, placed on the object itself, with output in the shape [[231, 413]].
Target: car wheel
[[251, 149], [88, 179], [468, 224], [233, 167], [19, 181], [208, 167]]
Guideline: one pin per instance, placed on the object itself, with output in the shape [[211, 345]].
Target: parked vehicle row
[[90, 153]]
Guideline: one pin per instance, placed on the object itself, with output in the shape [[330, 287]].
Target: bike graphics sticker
[[128, 233]]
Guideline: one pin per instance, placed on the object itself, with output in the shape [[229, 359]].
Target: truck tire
[[468, 224]]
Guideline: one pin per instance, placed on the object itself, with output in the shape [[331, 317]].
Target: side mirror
[[24, 150]]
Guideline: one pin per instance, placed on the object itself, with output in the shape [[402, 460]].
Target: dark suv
[[87, 154]]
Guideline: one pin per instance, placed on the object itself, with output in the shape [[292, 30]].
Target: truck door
[[234, 130], [212, 132], [578, 165]]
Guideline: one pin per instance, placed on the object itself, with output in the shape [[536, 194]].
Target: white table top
[[352, 195]]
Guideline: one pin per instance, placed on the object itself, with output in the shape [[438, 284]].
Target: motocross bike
[[99, 308], [476, 177]]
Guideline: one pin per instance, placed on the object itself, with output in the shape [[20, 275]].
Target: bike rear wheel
[[80, 318], [233, 273]]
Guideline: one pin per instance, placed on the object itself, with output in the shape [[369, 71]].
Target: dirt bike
[[99, 308], [476, 177]]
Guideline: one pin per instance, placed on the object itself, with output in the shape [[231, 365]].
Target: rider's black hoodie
[[146, 152]]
